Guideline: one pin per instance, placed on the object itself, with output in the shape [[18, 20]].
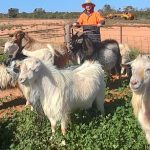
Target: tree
[[39, 13], [128, 8], [107, 8], [39, 10], [13, 12]]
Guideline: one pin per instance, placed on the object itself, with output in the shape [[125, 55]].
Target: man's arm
[[100, 20]]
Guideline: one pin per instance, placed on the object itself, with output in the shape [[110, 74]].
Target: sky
[[67, 5]]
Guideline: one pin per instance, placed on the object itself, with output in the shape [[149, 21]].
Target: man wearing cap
[[91, 21]]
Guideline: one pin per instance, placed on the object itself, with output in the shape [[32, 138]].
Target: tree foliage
[[41, 13], [13, 12]]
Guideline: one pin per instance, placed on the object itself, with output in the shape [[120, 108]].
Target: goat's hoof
[[63, 131], [32, 108]]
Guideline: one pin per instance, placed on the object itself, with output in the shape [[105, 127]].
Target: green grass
[[118, 130], [133, 54], [3, 58], [2, 42]]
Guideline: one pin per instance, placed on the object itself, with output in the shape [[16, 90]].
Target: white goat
[[44, 54], [140, 86], [10, 47], [62, 91]]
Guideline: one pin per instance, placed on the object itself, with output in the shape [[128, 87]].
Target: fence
[[136, 36]]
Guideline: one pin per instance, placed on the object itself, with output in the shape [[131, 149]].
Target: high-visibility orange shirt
[[93, 19]]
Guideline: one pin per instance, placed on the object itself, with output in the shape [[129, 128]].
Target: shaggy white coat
[[7, 80], [62, 91], [140, 86], [44, 54]]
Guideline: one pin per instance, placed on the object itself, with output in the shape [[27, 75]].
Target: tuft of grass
[[134, 53], [3, 58], [2, 42]]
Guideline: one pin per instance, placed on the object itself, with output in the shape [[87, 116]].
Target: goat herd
[[55, 90]]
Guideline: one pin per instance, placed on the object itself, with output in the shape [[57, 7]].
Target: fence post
[[121, 34]]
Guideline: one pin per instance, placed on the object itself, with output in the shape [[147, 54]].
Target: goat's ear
[[25, 39], [12, 38], [36, 66], [24, 42]]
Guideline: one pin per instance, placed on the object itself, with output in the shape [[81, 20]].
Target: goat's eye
[[148, 70], [11, 35], [29, 69]]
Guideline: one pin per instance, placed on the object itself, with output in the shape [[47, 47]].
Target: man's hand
[[75, 24], [99, 25]]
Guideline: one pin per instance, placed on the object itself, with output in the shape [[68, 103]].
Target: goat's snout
[[133, 82]]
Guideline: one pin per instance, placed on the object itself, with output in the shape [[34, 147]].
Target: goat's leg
[[27, 102], [100, 101], [118, 72], [53, 125], [123, 70], [64, 124], [147, 133]]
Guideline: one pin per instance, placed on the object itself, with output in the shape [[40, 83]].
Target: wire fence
[[136, 36]]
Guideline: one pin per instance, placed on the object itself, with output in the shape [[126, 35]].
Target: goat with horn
[[107, 53]]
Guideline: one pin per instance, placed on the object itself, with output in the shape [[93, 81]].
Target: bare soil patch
[[11, 99]]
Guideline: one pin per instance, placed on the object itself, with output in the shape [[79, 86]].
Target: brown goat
[[24, 41]]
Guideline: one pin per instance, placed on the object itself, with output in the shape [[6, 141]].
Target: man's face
[[88, 7]]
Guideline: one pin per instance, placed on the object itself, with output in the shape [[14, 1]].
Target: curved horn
[[79, 34], [128, 63]]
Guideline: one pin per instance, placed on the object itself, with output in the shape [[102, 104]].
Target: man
[[91, 22]]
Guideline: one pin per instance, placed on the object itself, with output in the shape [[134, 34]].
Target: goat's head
[[16, 41], [76, 43], [28, 70], [10, 47], [81, 45], [18, 37], [140, 73]]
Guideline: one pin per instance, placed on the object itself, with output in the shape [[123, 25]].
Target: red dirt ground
[[11, 99]]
